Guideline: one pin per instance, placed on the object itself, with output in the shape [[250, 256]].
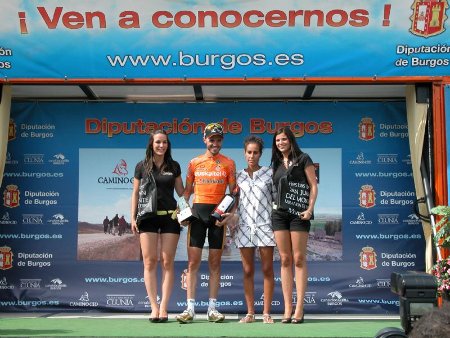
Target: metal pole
[[430, 204]]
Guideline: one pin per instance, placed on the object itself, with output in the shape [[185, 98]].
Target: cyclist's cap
[[213, 129]]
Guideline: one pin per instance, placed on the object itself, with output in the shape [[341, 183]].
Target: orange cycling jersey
[[211, 176]]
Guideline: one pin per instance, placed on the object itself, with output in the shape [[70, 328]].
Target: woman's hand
[[134, 228], [306, 215], [229, 218]]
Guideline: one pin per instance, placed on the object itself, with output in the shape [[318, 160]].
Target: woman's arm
[[134, 203], [310, 172], [179, 188]]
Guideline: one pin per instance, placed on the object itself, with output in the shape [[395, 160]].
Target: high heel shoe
[[286, 320], [163, 319], [298, 320], [154, 319]]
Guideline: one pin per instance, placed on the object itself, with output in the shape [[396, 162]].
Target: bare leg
[[169, 243], [149, 247], [283, 240], [266, 254], [214, 262], [248, 265], [194, 261], [299, 243]]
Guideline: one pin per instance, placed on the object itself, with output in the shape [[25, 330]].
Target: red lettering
[[236, 16], [253, 24], [72, 19], [51, 23], [359, 18], [337, 18], [92, 126], [156, 21], [276, 18], [189, 23]]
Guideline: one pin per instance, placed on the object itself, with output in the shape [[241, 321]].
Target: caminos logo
[[366, 129], [368, 258], [121, 168], [120, 171], [9, 160], [360, 284], [367, 196], [360, 159], [59, 159], [361, 219], [428, 17], [58, 219], [4, 284], [12, 130], [11, 196], [6, 258], [6, 219], [84, 301]]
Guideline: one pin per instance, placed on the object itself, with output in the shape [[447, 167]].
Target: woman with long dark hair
[[295, 180], [162, 227]]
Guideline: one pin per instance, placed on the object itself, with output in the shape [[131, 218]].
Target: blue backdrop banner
[[69, 165], [140, 39]]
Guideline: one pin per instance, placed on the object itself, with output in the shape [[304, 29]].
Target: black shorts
[[164, 224], [205, 224], [282, 220]]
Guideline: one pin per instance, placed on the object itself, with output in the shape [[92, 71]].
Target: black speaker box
[[415, 284]]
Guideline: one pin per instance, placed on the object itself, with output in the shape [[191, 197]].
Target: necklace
[[287, 162]]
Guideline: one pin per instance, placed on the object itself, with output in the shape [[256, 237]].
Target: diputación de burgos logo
[[428, 17], [368, 258], [367, 196], [184, 279], [6, 258], [12, 130], [366, 129], [11, 196]]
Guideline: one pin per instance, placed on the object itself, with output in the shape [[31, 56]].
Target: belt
[[164, 212]]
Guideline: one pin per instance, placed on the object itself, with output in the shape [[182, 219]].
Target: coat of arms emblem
[[428, 17], [368, 258]]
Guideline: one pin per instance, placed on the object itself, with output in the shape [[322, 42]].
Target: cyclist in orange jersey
[[208, 177]]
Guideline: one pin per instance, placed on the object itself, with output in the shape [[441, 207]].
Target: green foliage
[[442, 237]]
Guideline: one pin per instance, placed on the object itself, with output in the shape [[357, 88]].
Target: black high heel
[[298, 321], [286, 320]]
